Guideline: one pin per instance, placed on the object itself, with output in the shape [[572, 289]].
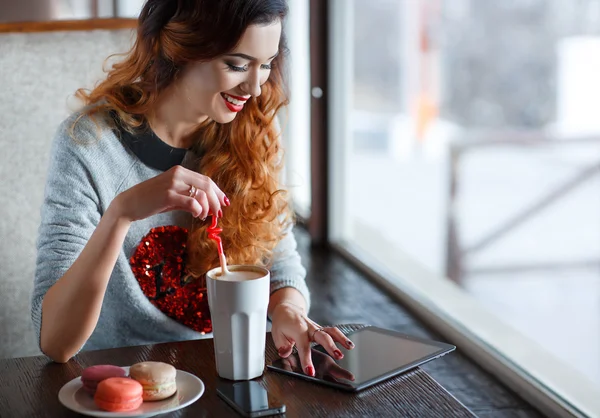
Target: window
[[295, 119], [466, 170]]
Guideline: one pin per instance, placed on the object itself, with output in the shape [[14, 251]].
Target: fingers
[[339, 337], [303, 348], [283, 345], [186, 203], [203, 194], [323, 338], [208, 194], [223, 200], [213, 202]]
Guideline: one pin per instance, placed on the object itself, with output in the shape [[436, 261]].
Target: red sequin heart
[[158, 264]]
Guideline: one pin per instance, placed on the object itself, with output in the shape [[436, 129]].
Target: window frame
[[550, 386]]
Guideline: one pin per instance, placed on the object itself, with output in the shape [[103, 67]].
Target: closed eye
[[245, 67], [237, 69]]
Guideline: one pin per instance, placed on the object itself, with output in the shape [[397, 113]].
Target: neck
[[173, 118]]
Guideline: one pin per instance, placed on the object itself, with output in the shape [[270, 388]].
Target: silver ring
[[193, 191], [312, 337]]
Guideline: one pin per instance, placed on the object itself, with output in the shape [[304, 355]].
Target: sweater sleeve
[[70, 213], [286, 268]]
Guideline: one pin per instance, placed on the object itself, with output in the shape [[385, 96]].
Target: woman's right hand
[[172, 190]]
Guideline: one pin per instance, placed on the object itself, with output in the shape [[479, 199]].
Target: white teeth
[[232, 100]]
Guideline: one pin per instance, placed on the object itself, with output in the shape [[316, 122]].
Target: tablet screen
[[378, 354]]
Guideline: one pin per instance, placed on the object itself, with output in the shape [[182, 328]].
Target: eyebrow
[[247, 57]]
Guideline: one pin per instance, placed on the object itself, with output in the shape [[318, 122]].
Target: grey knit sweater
[[83, 178]]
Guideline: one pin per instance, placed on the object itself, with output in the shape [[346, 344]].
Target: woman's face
[[219, 88]]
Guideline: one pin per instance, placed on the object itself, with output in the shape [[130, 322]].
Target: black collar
[[150, 149]]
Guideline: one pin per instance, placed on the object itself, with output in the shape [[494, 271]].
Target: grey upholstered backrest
[[38, 72]]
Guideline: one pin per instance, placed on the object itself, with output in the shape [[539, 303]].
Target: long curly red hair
[[243, 157]]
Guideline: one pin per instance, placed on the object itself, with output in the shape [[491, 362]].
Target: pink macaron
[[93, 375]]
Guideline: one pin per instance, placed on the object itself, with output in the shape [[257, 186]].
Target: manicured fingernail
[[310, 371], [227, 202], [350, 343], [338, 354], [282, 351], [220, 213]]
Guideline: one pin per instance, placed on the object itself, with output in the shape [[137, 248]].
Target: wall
[[38, 72]]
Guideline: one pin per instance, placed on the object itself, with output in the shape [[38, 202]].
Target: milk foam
[[239, 276]]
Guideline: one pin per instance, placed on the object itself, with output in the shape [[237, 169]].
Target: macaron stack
[[114, 392], [157, 379]]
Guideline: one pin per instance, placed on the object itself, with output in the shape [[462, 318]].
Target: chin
[[224, 118]]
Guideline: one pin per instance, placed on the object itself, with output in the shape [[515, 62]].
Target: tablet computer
[[378, 355]]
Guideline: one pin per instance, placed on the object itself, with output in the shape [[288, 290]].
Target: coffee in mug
[[239, 276], [238, 303]]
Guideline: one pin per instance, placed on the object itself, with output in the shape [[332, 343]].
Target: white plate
[[189, 390]]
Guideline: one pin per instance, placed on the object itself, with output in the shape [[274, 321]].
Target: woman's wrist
[[116, 214], [291, 305], [285, 308], [287, 296]]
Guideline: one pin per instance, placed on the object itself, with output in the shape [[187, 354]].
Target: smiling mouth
[[234, 103]]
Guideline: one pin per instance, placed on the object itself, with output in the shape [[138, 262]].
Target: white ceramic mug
[[238, 310]]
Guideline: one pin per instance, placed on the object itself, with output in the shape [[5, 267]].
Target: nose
[[252, 84]]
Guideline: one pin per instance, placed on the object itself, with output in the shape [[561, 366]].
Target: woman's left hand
[[292, 327]]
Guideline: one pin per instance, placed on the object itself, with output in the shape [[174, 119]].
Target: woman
[[182, 129]]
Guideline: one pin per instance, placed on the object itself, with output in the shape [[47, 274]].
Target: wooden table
[[29, 386]]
